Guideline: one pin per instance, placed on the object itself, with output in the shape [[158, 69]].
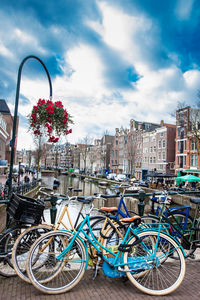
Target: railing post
[[53, 209], [141, 198]]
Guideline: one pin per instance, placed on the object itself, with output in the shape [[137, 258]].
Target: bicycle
[[26, 238], [182, 226], [140, 256], [22, 216], [118, 211]]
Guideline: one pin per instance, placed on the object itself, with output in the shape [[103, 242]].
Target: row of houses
[[6, 125], [141, 149]]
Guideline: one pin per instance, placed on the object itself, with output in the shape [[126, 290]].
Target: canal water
[[88, 189]]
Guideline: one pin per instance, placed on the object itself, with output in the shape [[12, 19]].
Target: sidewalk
[[102, 288]]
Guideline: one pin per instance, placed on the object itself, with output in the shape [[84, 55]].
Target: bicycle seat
[[136, 220], [85, 199], [195, 200], [108, 209]]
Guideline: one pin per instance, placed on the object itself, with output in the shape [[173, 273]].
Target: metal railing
[[21, 188]]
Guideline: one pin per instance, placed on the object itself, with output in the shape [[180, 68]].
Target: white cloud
[[5, 51], [121, 31], [183, 9]]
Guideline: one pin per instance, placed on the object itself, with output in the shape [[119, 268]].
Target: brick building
[[159, 150], [187, 141], [8, 118]]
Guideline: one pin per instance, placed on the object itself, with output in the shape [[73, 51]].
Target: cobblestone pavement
[[102, 288]]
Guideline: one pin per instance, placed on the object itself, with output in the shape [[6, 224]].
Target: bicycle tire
[[132, 213], [73, 264], [156, 280], [179, 222], [6, 245], [22, 246]]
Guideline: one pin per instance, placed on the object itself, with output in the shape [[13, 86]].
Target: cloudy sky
[[109, 61]]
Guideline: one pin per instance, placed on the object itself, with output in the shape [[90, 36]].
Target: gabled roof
[[4, 107]]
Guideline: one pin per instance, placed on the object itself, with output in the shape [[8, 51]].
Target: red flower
[[68, 131], [33, 117], [49, 120], [49, 102], [58, 104], [37, 132], [35, 108], [52, 139], [41, 102], [50, 109]]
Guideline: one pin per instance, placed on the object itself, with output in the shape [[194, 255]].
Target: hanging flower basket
[[51, 119]]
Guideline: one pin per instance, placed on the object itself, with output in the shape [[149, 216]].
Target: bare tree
[[180, 104], [132, 157], [84, 148], [92, 158]]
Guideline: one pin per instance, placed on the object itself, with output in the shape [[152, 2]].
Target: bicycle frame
[[95, 243]]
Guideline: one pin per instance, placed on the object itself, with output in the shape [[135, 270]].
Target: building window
[[154, 160], [193, 145], [115, 153], [163, 155], [184, 160], [159, 144], [150, 160], [163, 143], [151, 149], [185, 145], [193, 160], [159, 155], [116, 142], [161, 134], [178, 131], [178, 146], [161, 167], [154, 148]]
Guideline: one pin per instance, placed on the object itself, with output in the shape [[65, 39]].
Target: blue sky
[[109, 61]]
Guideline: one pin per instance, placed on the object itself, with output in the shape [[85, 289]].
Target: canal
[[88, 189]]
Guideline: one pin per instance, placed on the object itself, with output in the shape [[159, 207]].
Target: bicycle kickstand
[[96, 268]]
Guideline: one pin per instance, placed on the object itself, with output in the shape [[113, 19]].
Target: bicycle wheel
[[50, 275], [153, 222], [22, 246], [181, 230], [96, 223], [132, 213], [146, 268], [7, 241]]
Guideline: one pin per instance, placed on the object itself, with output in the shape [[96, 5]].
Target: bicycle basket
[[25, 210]]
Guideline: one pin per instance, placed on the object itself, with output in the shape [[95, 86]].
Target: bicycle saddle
[[108, 209], [136, 220], [195, 200], [85, 199]]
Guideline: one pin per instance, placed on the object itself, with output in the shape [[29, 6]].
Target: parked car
[[143, 183], [120, 177], [111, 176]]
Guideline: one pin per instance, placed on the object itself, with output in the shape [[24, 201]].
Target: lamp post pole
[[16, 111]]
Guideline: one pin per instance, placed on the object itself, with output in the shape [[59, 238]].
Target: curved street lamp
[[16, 111]]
